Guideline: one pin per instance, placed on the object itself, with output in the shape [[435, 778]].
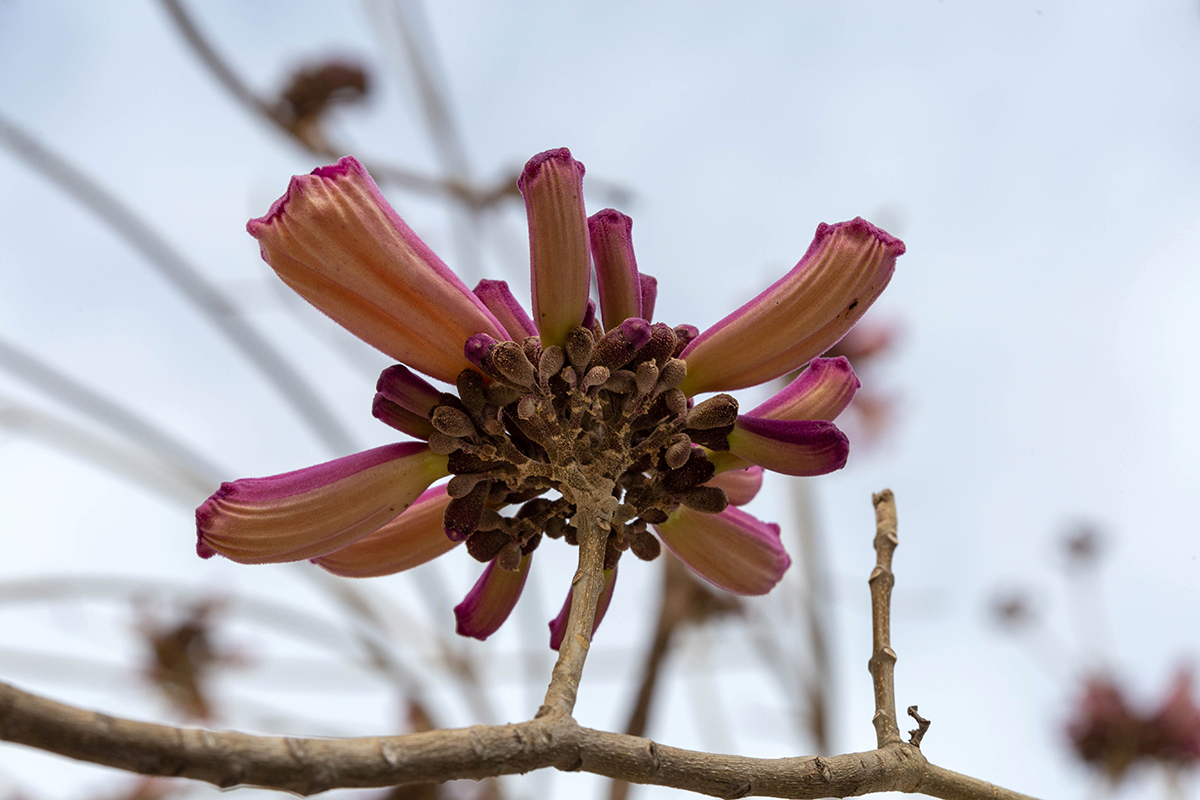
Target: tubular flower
[[574, 402]]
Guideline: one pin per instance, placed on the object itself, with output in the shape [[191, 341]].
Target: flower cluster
[[1109, 734], [575, 401]]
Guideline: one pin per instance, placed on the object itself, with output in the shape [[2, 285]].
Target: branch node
[[915, 737], [823, 767], [741, 790]]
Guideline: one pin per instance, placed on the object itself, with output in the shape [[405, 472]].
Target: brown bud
[[527, 407], [579, 346], [621, 382], [509, 558], [555, 527], [671, 375], [676, 402], [595, 376], [715, 412], [696, 471], [470, 390], [461, 485], [510, 360], [709, 499], [645, 546], [442, 444], [679, 448], [486, 545], [550, 363], [647, 376], [452, 422], [463, 513]]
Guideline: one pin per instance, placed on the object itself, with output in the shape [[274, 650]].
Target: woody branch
[[552, 739]]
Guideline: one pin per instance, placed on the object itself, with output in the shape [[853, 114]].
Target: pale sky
[[1039, 159]]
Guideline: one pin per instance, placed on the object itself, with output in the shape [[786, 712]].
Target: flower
[[572, 403]]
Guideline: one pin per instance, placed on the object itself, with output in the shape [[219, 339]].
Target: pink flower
[[570, 393]]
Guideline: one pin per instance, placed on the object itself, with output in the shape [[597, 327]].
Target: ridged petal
[[821, 391], [732, 550], [311, 512], [336, 241], [512, 315], [617, 280], [558, 625], [649, 292], [792, 447], [740, 485], [800, 316], [407, 390], [491, 600], [396, 416], [411, 539], [560, 262]]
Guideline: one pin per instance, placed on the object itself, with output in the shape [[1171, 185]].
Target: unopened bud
[[715, 412], [671, 374], [647, 376], [645, 546], [579, 348], [707, 499], [596, 376], [679, 447], [452, 422], [676, 402], [510, 361], [509, 558], [550, 363], [621, 343]]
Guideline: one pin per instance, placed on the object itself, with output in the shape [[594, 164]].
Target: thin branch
[[382, 172], [552, 739], [107, 412], [189, 281], [176, 482], [883, 657]]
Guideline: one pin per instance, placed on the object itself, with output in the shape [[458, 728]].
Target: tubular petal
[[552, 185], [732, 550], [500, 301], [336, 241], [400, 418], [740, 485], [620, 290], [799, 316], [649, 291], [558, 625], [491, 600], [311, 512], [792, 447], [412, 393], [821, 391], [411, 539]]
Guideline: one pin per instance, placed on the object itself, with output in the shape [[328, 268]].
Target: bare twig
[[384, 173], [173, 480], [189, 281], [883, 657], [113, 415], [915, 737]]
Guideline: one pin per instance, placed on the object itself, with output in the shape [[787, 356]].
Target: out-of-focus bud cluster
[[1110, 735], [181, 658], [313, 90]]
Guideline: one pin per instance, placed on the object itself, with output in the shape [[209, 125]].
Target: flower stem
[[593, 512]]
